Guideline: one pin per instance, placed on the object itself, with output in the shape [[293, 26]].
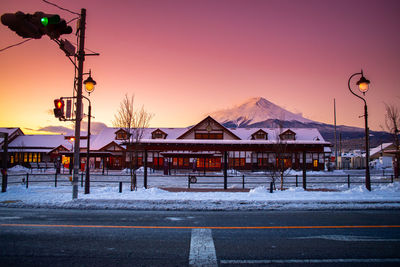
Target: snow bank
[[382, 196], [18, 168]]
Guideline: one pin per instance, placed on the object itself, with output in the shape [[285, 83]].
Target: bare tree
[[279, 168], [392, 123], [134, 122]]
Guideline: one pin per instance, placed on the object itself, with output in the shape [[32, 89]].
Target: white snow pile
[[385, 196], [18, 168]]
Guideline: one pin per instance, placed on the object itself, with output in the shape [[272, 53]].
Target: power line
[[47, 2], [72, 20], [20, 43]]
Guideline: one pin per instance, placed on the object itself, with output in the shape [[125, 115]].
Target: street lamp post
[[363, 86], [89, 87]]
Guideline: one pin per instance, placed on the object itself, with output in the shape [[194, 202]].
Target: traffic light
[[36, 25], [22, 24], [52, 24], [59, 108]]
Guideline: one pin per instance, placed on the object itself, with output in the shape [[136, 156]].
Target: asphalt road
[[40, 237]]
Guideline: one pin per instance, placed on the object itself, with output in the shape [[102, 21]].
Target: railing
[[247, 181]]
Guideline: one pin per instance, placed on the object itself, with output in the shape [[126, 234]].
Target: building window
[[260, 136], [315, 163], [209, 163], [287, 136], [121, 135], [205, 135], [158, 135]]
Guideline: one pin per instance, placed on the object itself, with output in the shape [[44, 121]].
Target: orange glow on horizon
[[185, 59]]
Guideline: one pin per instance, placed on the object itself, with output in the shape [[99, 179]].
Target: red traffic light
[[59, 103], [59, 108]]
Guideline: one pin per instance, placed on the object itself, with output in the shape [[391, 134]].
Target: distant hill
[[261, 113]]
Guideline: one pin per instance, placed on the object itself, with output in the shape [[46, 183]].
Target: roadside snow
[[259, 198]]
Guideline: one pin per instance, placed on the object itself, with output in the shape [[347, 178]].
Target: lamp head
[[89, 84], [363, 84]]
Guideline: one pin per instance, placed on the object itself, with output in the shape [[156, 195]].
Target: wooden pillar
[[304, 171], [145, 169], [225, 170]]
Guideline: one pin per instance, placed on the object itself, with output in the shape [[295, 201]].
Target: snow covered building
[[205, 146], [382, 156]]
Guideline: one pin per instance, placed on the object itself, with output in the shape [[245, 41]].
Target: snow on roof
[[42, 141], [378, 149], [302, 134], [107, 135], [9, 131]]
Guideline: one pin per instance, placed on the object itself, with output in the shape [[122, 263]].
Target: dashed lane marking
[[202, 249]]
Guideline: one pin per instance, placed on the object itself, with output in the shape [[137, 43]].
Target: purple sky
[[184, 59]]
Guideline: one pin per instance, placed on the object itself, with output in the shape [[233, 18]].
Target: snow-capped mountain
[[256, 110], [261, 113]]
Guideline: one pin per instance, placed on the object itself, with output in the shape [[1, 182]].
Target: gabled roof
[[210, 119], [59, 148], [12, 134], [288, 131], [259, 131], [376, 151], [112, 143], [161, 131], [121, 130]]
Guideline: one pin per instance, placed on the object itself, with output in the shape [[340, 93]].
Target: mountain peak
[[254, 110]]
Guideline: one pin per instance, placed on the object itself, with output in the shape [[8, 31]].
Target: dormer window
[[208, 134], [121, 135], [288, 135], [259, 135], [158, 134]]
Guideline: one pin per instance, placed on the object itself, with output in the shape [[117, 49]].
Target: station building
[[206, 146]]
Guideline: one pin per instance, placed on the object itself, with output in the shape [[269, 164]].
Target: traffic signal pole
[[78, 117]]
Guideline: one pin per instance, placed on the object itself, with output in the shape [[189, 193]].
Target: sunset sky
[[184, 59]]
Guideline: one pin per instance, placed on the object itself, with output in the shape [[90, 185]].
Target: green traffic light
[[54, 19], [44, 21]]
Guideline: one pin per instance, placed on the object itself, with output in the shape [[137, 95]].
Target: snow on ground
[[108, 197]]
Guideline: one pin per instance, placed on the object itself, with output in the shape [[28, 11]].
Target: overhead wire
[[47, 2], [17, 44]]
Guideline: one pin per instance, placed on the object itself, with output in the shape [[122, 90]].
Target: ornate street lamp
[[89, 83], [89, 87], [363, 86]]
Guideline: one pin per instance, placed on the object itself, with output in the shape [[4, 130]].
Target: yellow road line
[[198, 227]]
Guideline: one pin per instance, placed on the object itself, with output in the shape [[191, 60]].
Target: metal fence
[[242, 181]]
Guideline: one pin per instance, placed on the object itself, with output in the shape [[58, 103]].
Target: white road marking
[[202, 249], [299, 261], [174, 218]]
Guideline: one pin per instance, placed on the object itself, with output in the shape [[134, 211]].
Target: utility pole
[[5, 162], [87, 176], [335, 136], [78, 117]]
